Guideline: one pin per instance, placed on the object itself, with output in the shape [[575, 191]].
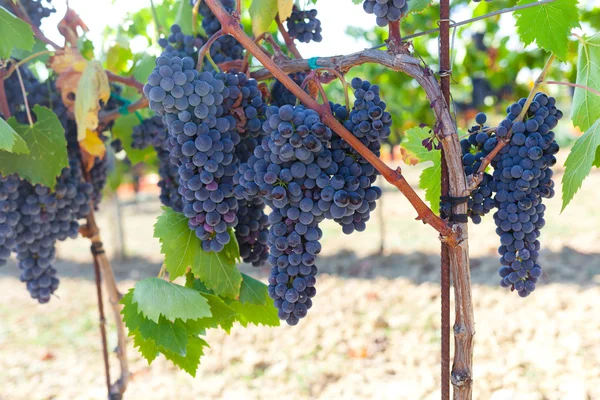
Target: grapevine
[[256, 150]]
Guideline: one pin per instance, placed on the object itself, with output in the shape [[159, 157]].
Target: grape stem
[[345, 84], [597, 93], [476, 179], [107, 116], [205, 50], [25, 97], [195, 18], [30, 57], [159, 27], [231, 26], [394, 43], [289, 42], [125, 80]]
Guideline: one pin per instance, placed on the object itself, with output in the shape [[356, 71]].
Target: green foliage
[[14, 34], [183, 250], [586, 105], [178, 242], [47, 149], [10, 140], [253, 291], [549, 25], [166, 318], [416, 6], [156, 297], [218, 271], [122, 129], [171, 338], [39, 46], [583, 155], [430, 179]]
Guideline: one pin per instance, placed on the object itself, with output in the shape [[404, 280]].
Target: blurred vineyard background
[[374, 332]]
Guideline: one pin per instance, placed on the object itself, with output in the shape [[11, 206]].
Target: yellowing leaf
[[92, 87], [67, 59], [68, 63], [92, 144], [284, 7], [262, 13]]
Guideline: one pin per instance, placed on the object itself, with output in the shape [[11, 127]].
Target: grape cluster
[[210, 23], [179, 44], [281, 96], [45, 217], [253, 225], [9, 217], [283, 172], [204, 112], [523, 179], [304, 26], [35, 9], [474, 148], [371, 124], [386, 10], [251, 231], [152, 132]]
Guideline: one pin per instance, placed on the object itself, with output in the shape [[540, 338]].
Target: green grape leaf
[[597, 159], [122, 129], [156, 297], [262, 14], [179, 243], [38, 47], [549, 25], [357, 1], [430, 177], [10, 140], [222, 315], [586, 105], [218, 271], [417, 6], [143, 67], [579, 162], [189, 363], [253, 291], [86, 47], [173, 336], [146, 347], [182, 249], [14, 34], [256, 314], [47, 149], [431, 182], [131, 318], [183, 18]]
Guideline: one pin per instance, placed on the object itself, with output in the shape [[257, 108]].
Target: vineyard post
[[445, 71]]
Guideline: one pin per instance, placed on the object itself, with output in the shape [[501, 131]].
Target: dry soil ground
[[372, 334]]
